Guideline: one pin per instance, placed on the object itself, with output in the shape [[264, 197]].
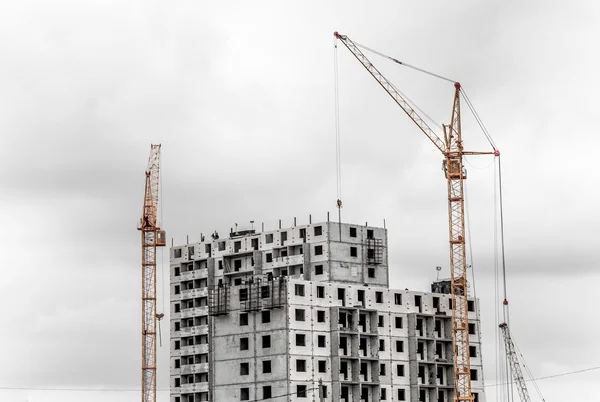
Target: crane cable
[[537, 388], [403, 64], [477, 118], [162, 251], [462, 90], [498, 352], [472, 265], [338, 161]]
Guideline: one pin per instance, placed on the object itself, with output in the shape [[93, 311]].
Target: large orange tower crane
[[452, 149], [152, 237]]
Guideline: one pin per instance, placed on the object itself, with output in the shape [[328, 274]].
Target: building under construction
[[306, 314]]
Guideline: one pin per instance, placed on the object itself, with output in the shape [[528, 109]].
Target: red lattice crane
[[451, 148], [152, 237]]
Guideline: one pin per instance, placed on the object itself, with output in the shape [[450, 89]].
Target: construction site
[[304, 201], [306, 312]]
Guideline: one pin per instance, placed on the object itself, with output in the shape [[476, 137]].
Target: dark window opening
[[353, 252], [266, 366], [265, 317], [300, 340], [299, 314], [244, 368], [318, 230], [320, 292], [301, 391], [322, 366], [245, 394], [398, 298], [318, 250], [301, 366], [243, 319], [321, 341], [266, 341], [244, 342], [318, 270], [320, 316], [361, 296], [243, 294], [400, 346], [352, 232]]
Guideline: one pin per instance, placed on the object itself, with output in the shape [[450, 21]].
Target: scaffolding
[[218, 300]]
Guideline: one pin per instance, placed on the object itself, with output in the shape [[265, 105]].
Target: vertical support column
[[148, 314]]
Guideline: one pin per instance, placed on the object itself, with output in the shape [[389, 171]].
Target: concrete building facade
[[306, 314]]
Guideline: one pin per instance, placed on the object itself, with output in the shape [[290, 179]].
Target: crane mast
[[152, 237], [452, 149], [513, 360]]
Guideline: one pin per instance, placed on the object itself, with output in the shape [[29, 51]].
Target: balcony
[[194, 312], [194, 368], [191, 293], [195, 387], [195, 330], [195, 274], [194, 349]]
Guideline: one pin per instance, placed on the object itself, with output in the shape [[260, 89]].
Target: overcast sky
[[240, 94]]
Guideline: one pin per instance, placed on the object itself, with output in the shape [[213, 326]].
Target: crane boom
[[152, 237], [452, 149], [515, 368], [392, 91]]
